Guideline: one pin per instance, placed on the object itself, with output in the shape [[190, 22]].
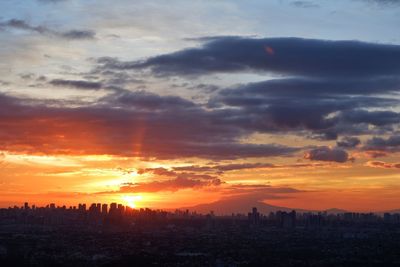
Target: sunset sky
[[169, 104]]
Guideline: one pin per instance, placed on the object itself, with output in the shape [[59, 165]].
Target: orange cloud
[[384, 165]]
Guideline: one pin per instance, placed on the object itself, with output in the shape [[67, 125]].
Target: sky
[[170, 104]]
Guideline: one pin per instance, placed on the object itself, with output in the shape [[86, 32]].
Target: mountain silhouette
[[239, 205]]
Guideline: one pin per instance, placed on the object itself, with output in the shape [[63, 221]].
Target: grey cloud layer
[[339, 88], [290, 56], [147, 126], [347, 89]]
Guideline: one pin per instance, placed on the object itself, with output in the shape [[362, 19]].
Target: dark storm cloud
[[70, 35], [78, 84], [348, 142], [173, 131], [294, 56], [325, 153]]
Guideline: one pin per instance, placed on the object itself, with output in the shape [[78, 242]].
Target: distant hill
[[229, 206]]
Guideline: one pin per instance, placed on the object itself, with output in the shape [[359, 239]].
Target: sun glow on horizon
[[131, 201]]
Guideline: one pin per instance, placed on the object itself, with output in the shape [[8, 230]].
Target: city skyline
[[234, 104]]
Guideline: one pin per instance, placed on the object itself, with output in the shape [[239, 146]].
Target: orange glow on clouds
[[69, 180]]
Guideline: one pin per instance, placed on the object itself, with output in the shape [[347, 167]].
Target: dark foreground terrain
[[120, 236], [192, 246]]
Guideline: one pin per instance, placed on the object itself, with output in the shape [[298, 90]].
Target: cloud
[[172, 173], [292, 56], [383, 2], [337, 90], [164, 129], [78, 84], [384, 165], [325, 107], [375, 154], [304, 4], [148, 101], [69, 35], [336, 106], [377, 118], [220, 169], [186, 180], [168, 185], [147, 125], [348, 142], [78, 34], [22, 25], [311, 104], [391, 144], [52, 1], [258, 190], [317, 87], [324, 153]]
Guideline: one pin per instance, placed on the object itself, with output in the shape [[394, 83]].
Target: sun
[[130, 200]]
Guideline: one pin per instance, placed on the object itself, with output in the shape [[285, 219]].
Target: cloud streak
[[383, 165], [78, 84], [68, 35]]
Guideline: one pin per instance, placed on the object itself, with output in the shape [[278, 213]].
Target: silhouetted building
[[254, 216], [286, 219], [104, 209]]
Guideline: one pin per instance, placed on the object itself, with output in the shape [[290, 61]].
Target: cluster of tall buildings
[[106, 214], [282, 219], [98, 208]]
